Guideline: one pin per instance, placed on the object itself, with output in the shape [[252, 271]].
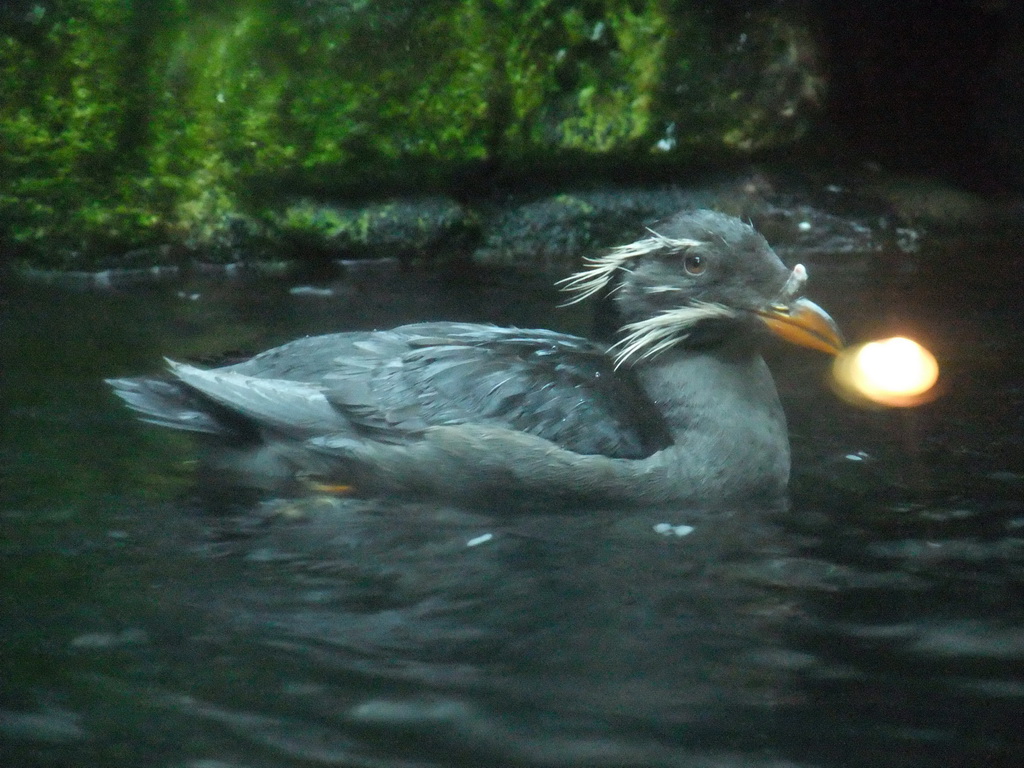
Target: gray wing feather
[[167, 404], [390, 386], [286, 406], [551, 385]]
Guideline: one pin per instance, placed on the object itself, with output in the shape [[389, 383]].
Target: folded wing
[[389, 386]]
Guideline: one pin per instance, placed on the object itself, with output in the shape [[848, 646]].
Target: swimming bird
[[679, 409]]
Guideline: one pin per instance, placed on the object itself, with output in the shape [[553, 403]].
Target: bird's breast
[[726, 420]]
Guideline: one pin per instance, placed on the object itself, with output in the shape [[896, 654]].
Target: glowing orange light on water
[[894, 372]]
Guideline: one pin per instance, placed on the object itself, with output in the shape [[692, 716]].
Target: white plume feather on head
[[651, 336], [599, 271]]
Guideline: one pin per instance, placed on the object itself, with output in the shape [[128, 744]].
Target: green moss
[[577, 205], [62, 120], [411, 226], [249, 96], [586, 77], [425, 99], [616, 111], [133, 122]]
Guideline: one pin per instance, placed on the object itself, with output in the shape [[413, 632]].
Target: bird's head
[[699, 279]]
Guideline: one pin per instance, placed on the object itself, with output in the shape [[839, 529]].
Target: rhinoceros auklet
[[680, 410]]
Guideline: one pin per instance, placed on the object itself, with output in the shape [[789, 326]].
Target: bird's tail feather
[[170, 403]]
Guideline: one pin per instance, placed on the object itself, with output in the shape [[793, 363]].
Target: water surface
[[878, 623]]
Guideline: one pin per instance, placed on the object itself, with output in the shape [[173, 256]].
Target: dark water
[[879, 623]]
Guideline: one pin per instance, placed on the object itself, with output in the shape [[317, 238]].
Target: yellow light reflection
[[893, 372]]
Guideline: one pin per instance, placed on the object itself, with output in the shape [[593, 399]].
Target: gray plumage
[[683, 410]]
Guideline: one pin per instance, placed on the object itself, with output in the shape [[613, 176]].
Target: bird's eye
[[695, 264]]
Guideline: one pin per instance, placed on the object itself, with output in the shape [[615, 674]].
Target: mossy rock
[[552, 233], [407, 227], [134, 124]]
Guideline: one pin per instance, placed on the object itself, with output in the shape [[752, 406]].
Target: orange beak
[[804, 323]]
